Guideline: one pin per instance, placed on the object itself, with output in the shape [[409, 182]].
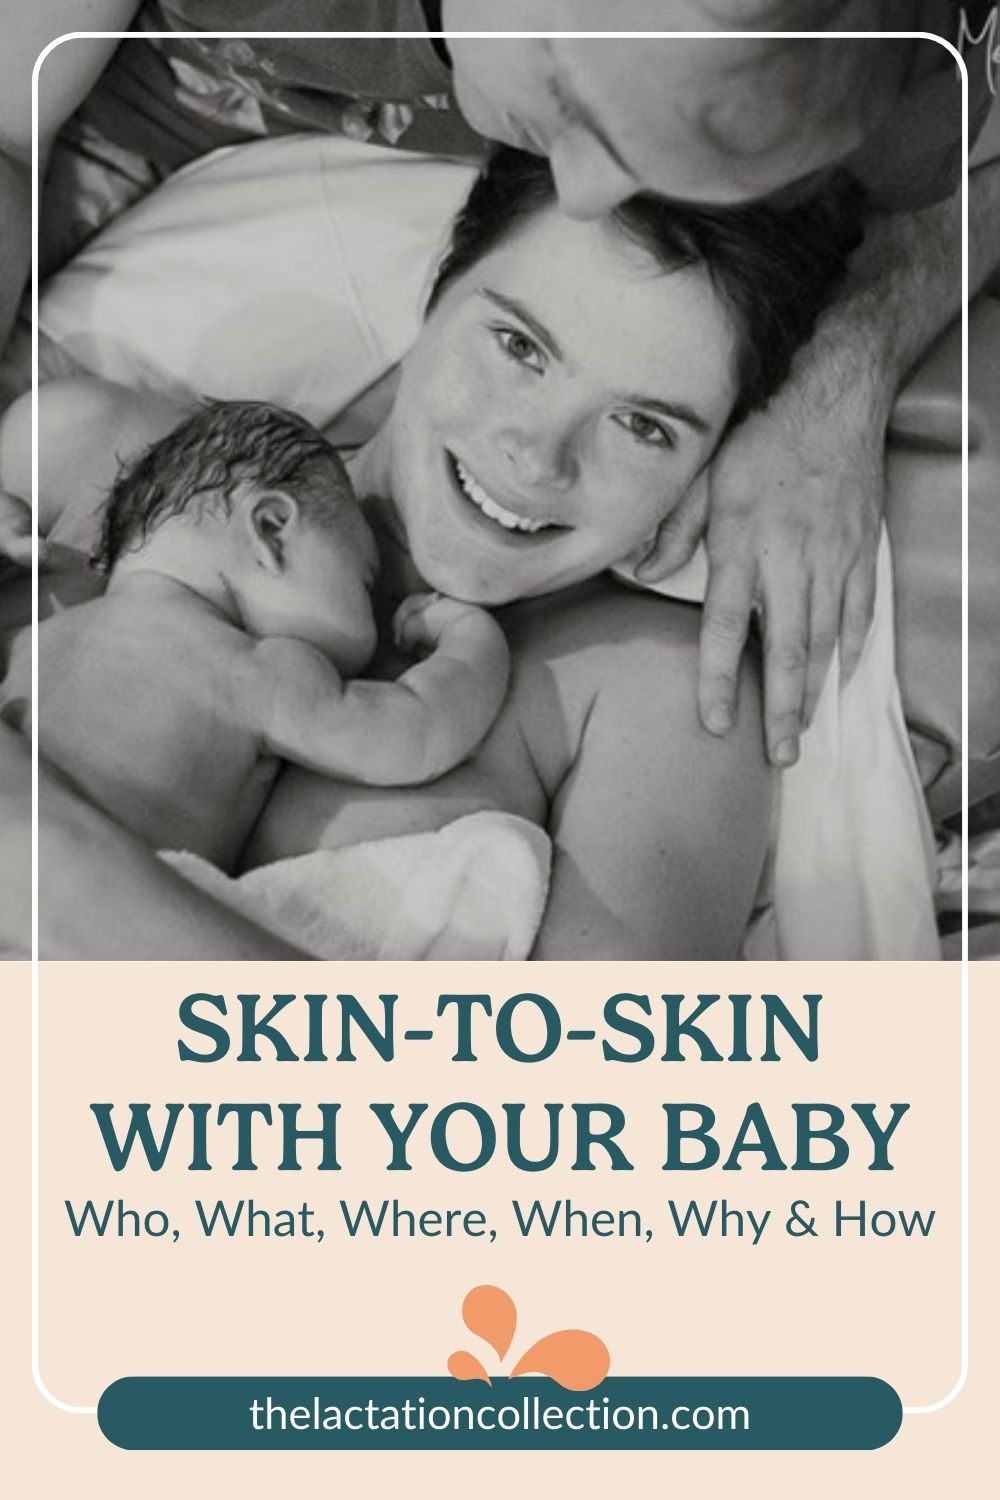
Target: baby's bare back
[[143, 704]]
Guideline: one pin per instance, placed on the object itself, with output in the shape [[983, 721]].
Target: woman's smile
[[560, 399], [512, 516]]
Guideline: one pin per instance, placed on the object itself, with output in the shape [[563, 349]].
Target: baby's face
[[332, 576], [323, 593]]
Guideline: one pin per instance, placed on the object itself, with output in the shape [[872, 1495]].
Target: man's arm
[[65, 79], [795, 499]]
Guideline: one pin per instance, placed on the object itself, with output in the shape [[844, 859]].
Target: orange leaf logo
[[490, 1313], [575, 1359], [465, 1366]]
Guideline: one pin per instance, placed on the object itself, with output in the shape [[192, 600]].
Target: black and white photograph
[[499, 479]]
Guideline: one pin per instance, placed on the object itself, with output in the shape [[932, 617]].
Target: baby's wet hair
[[202, 462]]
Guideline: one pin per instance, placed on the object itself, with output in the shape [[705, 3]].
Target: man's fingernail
[[719, 719], [787, 753]]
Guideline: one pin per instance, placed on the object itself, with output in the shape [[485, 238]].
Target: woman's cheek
[[644, 494], [446, 373], [468, 394]]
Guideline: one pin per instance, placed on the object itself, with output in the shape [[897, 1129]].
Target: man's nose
[[589, 182]]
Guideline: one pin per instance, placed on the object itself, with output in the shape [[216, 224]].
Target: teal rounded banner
[[437, 1412]]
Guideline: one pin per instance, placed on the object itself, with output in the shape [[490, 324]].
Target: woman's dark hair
[[775, 264]]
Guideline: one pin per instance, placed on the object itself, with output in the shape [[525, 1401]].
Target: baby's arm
[[397, 733]]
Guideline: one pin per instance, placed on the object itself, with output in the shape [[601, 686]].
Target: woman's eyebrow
[[518, 310], [679, 411]]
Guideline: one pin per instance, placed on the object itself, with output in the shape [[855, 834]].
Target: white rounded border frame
[[908, 1411]]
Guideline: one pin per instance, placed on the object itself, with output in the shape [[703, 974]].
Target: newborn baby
[[238, 605]]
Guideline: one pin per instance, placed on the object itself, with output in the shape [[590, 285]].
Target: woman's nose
[[537, 453]]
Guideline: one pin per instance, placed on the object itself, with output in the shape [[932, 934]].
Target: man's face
[[701, 119]]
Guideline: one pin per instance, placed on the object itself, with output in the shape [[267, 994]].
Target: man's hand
[[792, 511], [794, 499], [15, 532]]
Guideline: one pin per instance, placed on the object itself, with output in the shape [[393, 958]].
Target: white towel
[[474, 889]]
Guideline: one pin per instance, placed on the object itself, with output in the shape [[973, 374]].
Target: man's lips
[[515, 523]]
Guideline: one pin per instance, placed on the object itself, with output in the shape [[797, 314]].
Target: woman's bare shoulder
[[609, 647], [601, 638], [600, 616], [658, 828]]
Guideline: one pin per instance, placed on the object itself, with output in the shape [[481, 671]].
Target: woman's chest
[[308, 812]]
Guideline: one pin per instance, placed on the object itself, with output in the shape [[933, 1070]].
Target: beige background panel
[[897, 1310]]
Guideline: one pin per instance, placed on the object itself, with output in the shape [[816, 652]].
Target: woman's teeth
[[484, 501]]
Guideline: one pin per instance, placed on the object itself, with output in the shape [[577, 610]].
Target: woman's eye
[[645, 429], [519, 347]]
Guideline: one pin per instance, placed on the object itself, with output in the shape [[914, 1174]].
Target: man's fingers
[[824, 621], [786, 661], [856, 616], [677, 536], [724, 626]]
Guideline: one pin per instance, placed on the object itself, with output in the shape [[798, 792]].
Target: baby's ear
[[272, 518]]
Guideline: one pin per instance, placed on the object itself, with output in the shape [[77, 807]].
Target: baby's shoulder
[[117, 639]]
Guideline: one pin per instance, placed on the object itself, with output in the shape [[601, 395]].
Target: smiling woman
[[542, 427], [573, 378], [569, 382]]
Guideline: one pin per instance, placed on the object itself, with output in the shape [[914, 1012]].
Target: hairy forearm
[[905, 285]]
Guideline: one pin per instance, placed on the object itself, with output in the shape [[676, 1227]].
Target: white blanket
[[475, 889], [291, 270]]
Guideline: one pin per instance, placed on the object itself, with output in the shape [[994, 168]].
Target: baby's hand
[[423, 621], [457, 688], [15, 532]]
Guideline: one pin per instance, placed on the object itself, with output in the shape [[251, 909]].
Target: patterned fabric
[[173, 98], [166, 100]]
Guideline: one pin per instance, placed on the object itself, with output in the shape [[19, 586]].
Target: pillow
[[291, 270]]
